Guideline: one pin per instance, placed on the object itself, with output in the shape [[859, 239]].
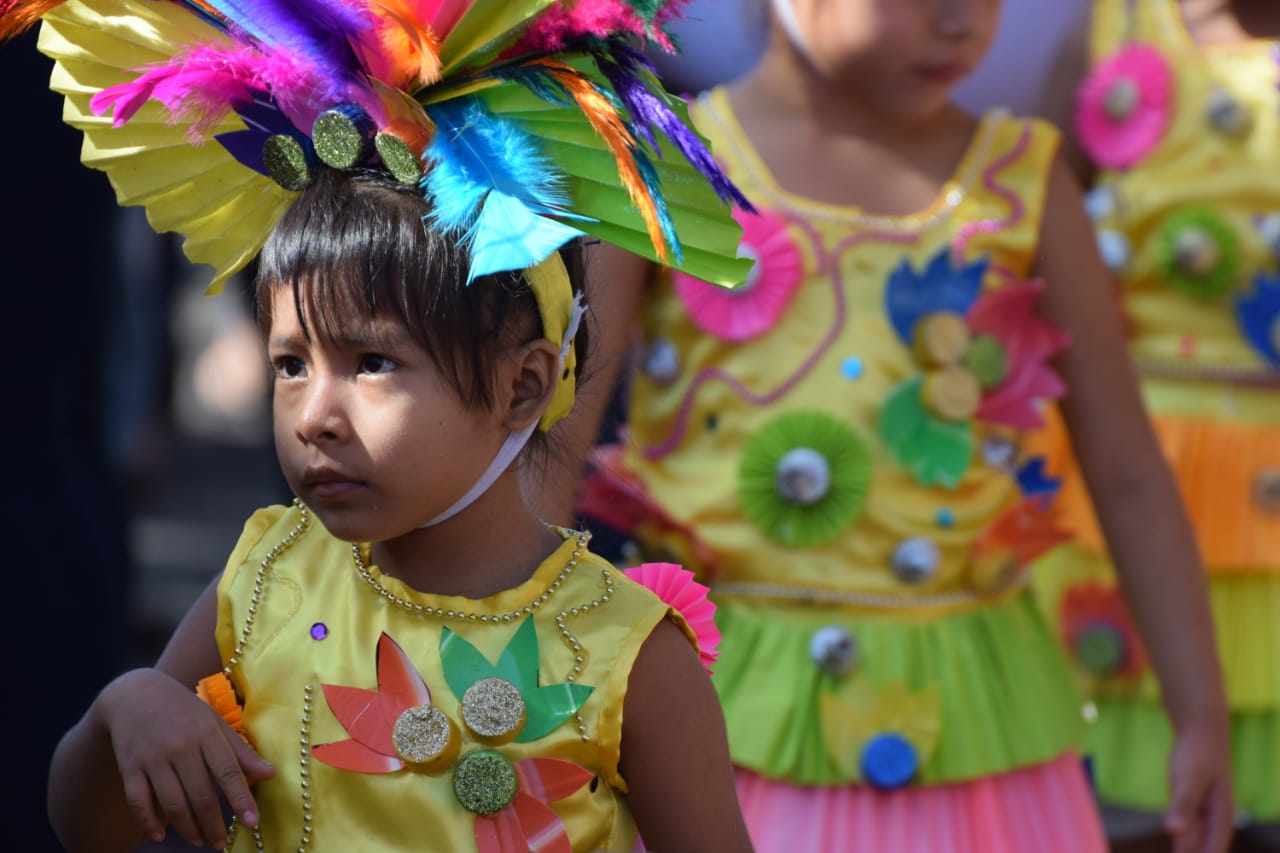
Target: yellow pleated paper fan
[[224, 209]]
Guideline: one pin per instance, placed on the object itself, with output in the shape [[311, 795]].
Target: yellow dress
[[309, 640], [865, 539], [1189, 218]]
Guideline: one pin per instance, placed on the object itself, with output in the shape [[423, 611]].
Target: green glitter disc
[[987, 360], [398, 157], [287, 162], [338, 139], [484, 781]]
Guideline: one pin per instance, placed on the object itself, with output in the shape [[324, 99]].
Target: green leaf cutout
[[935, 451], [546, 706]]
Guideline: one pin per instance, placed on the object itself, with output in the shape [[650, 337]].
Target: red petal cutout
[[500, 833], [544, 832], [353, 755], [363, 714], [398, 679], [550, 779]]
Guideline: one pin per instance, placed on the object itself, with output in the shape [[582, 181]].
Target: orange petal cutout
[[353, 755], [500, 832], [551, 779], [24, 15], [544, 832], [1026, 530], [363, 714], [606, 122], [217, 692], [398, 679]]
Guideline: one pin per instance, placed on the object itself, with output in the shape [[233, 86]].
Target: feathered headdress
[[525, 122]]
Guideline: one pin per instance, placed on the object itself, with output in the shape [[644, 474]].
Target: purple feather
[[319, 32], [626, 70]]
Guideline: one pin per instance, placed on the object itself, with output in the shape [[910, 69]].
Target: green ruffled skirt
[[977, 693]]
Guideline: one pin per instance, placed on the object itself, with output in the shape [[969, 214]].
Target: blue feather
[[490, 185]]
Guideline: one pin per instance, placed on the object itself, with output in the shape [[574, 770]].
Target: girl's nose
[[322, 417], [956, 19]]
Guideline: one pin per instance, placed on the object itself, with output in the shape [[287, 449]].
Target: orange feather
[[408, 50], [20, 15], [606, 122]]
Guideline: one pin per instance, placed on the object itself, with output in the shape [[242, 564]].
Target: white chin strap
[[786, 15], [516, 441]]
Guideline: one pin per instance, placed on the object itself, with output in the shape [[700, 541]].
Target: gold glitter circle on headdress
[[493, 710], [288, 162], [484, 781], [426, 738]]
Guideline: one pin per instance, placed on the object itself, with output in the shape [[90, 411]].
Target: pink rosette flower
[[1124, 105], [753, 307]]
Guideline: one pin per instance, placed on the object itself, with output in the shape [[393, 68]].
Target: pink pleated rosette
[[755, 306], [1123, 107], [675, 586]]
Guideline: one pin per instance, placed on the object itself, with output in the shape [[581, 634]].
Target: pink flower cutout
[[753, 307], [1008, 314], [675, 587], [1123, 106]]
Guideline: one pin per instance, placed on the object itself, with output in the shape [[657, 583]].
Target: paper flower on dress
[[674, 585], [1097, 629], [803, 477], [510, 800], [218, 693], [881, 737], [983, 356], [503, 701], [1258, 315], [1020, 534], [616, 497], [393, 727], [755, 306], [1123, 107], [1199, 252]]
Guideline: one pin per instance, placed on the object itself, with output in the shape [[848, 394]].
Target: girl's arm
[[616, 282], [1147, 531], [675, 754], [148, 752], [1058, 100]]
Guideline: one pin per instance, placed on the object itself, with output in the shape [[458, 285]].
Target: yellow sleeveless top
[[301, 628], [807, 443], [1192, 228], [831, 358]]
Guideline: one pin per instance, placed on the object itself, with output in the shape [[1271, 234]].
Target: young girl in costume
[[1173, 113], [838, 446], [407, 658]]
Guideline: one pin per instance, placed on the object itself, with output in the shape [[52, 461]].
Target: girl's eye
[[373, 363], [288, 367]]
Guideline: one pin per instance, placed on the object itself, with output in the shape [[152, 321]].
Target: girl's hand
[[176, 756], [1200, 813]]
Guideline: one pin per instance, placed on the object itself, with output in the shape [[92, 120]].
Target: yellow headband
[[561, 313]]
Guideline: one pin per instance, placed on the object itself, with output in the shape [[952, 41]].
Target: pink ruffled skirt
[[1047, 808]]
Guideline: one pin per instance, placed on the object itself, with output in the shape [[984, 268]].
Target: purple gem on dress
[[319, 631]]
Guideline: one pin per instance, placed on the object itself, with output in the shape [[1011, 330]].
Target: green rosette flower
[[804, 477]]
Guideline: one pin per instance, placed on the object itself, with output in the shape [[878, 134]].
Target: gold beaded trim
[[1259, 377], [865, 599], [579, 653]]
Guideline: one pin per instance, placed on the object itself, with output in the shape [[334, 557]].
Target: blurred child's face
[[901, 57], [368, 433]]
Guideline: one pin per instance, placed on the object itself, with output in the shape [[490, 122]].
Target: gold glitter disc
[[399, 158], [484, 781], [341, 135], [424, 736], [493, 710]]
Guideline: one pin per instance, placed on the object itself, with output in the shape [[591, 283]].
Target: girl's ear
[[530, 384]]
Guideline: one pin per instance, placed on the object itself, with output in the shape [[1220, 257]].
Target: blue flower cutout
[[1258, 314], [941, 287], [1036, 483]]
